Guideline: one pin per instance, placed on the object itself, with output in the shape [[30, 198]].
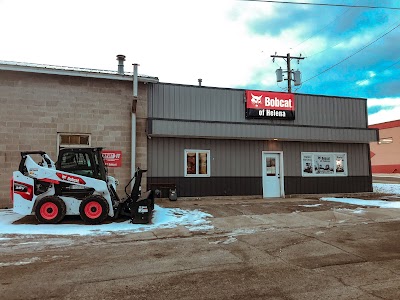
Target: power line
[[330, 47], [350, 56], [325, 4], [323, 28]]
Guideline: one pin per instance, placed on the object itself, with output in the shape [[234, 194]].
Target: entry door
[[271, 175]]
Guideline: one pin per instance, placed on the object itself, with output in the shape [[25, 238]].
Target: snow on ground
[[379, 203], [311, 205], [194, 220], [386, 188]]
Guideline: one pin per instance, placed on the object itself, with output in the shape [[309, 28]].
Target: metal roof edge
[[89, 73], [243, 89]]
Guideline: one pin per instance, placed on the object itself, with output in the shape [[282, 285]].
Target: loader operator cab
[[81, 161]]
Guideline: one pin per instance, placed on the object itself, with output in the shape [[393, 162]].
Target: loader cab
[[82, 161]]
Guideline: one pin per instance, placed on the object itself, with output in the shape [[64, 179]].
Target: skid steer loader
[[78, 184]]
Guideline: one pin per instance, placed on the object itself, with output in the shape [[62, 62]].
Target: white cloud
[[384, 116], [363, 82], [383, 102]]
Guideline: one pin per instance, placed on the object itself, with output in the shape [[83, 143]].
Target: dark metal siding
[[258, 131], [190, 111], [327, 185], [180, 102], [233, 158]]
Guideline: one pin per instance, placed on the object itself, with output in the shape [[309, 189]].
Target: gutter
[[75, 72]]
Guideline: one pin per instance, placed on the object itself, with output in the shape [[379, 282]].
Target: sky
[[349, 52], [193, 220]]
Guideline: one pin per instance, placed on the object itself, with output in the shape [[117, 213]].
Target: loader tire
[[50, 210], [93, 209]]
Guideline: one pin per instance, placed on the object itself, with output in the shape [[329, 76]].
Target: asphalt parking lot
[[257, 249]]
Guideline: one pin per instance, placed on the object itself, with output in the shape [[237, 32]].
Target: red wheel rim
[[49, 211], [93, 210]]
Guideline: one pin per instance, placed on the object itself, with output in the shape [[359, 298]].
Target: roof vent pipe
[[121, 59], [200, 81]]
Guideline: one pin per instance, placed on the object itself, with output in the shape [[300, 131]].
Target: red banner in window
[[112, 158]]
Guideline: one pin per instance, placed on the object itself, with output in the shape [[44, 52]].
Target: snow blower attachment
[[78, 184]]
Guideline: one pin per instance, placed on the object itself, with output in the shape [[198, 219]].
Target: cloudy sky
[[350, 52]]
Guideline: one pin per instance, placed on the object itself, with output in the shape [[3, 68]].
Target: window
[[323, 164], [66, 140], [197, 163]]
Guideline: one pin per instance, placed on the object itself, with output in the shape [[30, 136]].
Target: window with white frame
[[69, 140], [197, 163], [323, 164]]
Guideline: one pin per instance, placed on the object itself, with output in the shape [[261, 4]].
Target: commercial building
[[385, 153], [46, 107], [215, 141], [200, 140]]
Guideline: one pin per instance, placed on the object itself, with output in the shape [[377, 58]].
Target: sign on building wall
[[323, 164], [270, 105], [112, 158]]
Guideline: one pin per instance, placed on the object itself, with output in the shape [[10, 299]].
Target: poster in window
[[323, 164], [191, 163], [271, 166], [340, 163], [307, 164], [203, 163]]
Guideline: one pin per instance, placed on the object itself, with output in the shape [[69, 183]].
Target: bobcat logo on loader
[[256, 100], [70, 178]]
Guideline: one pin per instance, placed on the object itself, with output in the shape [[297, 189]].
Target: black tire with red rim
[[50, 210], [93, 209]]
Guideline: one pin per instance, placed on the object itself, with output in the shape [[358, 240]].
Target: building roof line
[[72, 71], [386, 125]]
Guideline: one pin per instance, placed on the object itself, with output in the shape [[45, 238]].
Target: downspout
[[133, 138]]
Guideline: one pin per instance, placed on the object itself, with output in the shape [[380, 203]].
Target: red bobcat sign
[[269, 105], [112, 158]]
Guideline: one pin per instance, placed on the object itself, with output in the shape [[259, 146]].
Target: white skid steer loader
[[78, 184]]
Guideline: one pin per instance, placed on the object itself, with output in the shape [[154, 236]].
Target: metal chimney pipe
[[121, 59], [135, 80], [200, 81]]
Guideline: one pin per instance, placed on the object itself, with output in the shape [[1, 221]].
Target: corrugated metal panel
[[258, 131], [179, 102], [357, 156], [232, 158]]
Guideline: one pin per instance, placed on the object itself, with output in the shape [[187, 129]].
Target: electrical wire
[[310, 37], [325, 4], [350, 56]]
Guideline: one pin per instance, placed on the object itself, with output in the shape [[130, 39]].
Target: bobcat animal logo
[[256, 100]]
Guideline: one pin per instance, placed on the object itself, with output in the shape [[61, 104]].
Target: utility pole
[[288, 58]]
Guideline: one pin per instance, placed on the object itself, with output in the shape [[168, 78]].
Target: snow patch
[[20, 263], [386, 188], [194, 220], [378, 203], [311, 205]]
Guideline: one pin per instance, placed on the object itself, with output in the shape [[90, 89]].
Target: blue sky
[[226, 43]]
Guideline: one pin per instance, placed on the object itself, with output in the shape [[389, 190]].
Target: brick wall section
[[35, 107]]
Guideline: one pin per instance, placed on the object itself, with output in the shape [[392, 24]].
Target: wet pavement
[[294, 248]]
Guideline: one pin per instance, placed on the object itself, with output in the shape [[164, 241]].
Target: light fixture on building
[[387, 140]]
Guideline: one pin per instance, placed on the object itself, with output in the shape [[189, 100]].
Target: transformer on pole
[[289, 71]]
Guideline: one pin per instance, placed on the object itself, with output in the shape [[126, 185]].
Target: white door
[[271, 175]]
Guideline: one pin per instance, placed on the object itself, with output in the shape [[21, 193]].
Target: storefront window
[[197, 163], [323, 164]]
